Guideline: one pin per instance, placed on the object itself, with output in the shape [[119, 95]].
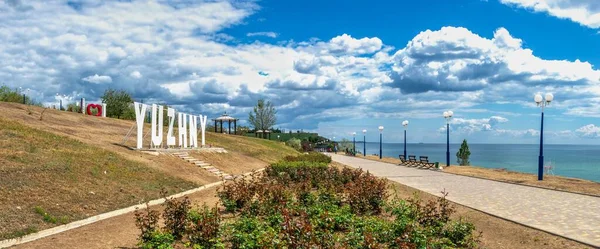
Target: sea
[[578, 161]]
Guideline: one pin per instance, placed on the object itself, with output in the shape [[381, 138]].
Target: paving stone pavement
[[571, 215]]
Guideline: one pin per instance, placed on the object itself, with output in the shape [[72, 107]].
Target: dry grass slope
[[48, 179], [263, 149], [49, 167]]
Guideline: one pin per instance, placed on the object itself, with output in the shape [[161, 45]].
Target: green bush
[[15, 96], [204, 228], [309, 157], [175, 216], [235, 195], [305, 204], [294, 143], [159, 240], [147, 222]]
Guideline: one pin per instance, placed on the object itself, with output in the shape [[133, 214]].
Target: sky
[[332, 67]]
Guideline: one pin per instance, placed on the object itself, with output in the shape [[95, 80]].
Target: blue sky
[[334, 67]]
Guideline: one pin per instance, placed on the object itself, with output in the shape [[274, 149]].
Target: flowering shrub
[[306, 204]]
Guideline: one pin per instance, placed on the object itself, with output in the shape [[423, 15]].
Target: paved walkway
[[571, 215]]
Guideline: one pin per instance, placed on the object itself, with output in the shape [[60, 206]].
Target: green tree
[[294, 143], [263, 116], [463, 154], [118, 103], [345, 144], [73, 107], [15, 96]]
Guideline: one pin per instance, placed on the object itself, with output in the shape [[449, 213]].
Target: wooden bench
[[424, 163], [412, 161], [403, 160]]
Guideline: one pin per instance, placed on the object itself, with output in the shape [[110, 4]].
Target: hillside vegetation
[[47, 179], [57, 167]]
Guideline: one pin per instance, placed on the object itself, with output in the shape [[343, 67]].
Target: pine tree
[[463, 154]]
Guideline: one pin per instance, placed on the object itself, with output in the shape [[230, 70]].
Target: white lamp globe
[[405, 123], [450, 113], [445, 114], [549, 97], [353, 133], [364, 131], [380, 128], [537, 98]]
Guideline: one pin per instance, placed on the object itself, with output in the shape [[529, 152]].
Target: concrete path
[[571, 215]]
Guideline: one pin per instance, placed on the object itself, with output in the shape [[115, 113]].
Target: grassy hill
[[57, 167]]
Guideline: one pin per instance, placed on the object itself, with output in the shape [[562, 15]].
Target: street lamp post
[[354, 143], [543, 103], [405, 124], [380, 141], [448, 115], [364, 143]]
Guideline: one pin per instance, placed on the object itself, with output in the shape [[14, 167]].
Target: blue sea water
[[579, 161]]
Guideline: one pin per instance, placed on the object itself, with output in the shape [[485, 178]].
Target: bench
[[424, 163], [403, 160], [412, 161]]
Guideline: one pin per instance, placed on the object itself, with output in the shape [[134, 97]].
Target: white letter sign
[[139, 118], [203, 126], [187, 127], [181, 125], [193, 131], [157, 128], [170, 137]]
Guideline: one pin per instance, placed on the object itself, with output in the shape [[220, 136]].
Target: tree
[[73, 107], [263, 116], [344, 145], [15, 96], [294, 143], [463, 154], [118, 103]]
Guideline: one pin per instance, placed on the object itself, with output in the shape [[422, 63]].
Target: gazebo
[[228, 119]]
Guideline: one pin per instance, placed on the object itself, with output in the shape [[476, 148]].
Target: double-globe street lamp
[[448, 115], [543, 102], [380, 141], [405, 124], [364, 143]]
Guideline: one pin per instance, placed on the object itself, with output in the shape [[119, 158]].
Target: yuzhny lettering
[[187, 125]]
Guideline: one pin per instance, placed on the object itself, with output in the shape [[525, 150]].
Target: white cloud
[[348, 45], [589, 131], [517, 133], [267, 34], [136, 74], [98, 79], [469, 126], [179, 56], [584, 12], [455, 59]]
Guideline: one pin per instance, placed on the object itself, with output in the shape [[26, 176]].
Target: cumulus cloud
[[584, 12], [455, 59], [588, 131], [517, 133], [348, 45], [469, 126], [180, 56], [98, 79], [267, 34]]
